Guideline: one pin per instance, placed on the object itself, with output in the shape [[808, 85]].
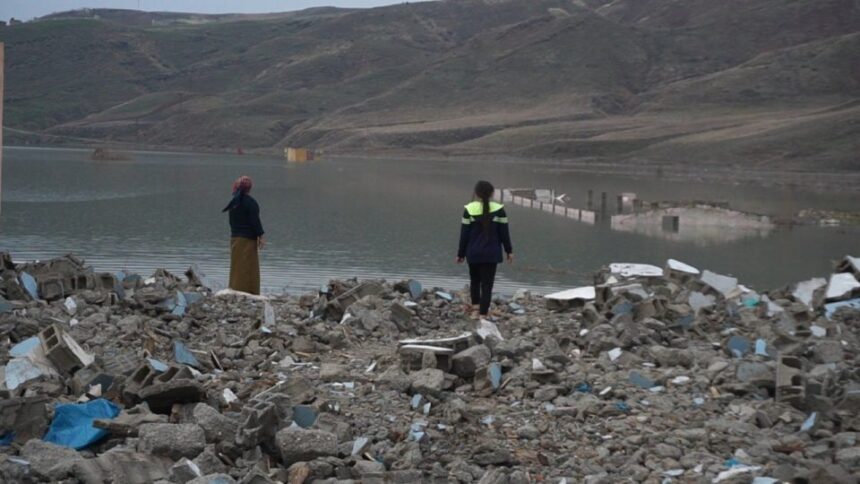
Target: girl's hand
[[261, 242], [510, 258], [460, 260]]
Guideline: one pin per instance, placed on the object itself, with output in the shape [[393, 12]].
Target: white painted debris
[[841, 285], [486, 329], [268, 314], [345, 318], [635, 270], [831, 308], [850, 264], [585, 293], [73, 322], [583, 332], [228, 397], [605, 391], [371, 367], [537, 365], [734, 472], [680, 380], [674, 473], [614, 353], [85, 358], [772, 308], [462, 338], [725, 285], [359, 444], [804, 290], [70, 305], [679, 266], [818, 331], [231, 292], [21, 370], [698, 301], [439, 350]]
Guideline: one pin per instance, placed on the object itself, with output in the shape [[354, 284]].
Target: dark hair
[[484, 191]]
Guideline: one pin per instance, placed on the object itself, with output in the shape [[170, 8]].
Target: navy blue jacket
[[484, 247], [244, 217]]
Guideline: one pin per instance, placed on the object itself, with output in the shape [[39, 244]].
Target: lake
[[392, 219]]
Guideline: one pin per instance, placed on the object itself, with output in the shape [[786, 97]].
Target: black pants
[[483, 276]]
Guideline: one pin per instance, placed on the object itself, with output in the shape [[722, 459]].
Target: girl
[[483, 234], [246, 238]]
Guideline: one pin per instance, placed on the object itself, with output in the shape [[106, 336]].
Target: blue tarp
[[73, 423], [29, 284]]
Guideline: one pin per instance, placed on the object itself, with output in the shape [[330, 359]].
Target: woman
[[483, 234], [246, 238]]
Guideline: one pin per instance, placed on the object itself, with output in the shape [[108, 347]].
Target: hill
[[749, 83]]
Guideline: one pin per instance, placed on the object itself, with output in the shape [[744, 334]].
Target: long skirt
[[244, 265]]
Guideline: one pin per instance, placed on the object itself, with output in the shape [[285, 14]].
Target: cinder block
[[791, 381], [53, 287], [63, 351]]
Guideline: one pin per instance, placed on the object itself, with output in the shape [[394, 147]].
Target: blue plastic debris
[[192, 298], [751, 302], [157, 365], [625, 307], [686, 322], [831, 308], [444, 295], [495, 371], [181, 304], [733, 462], [73, 423], [120, 276], [7, 438], [183, 355], [583, 388], [516, 308], [416, 401], [119, 290], [640, 381], [738, 346], [622, 406], [29, 284], [25, 347], [5, 306], [415, 289], [809, 422], [304, 416], [761, 347], [416, 431]]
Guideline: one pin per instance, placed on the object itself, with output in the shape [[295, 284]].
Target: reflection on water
[[370, 218]]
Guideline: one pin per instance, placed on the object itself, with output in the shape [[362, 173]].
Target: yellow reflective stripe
[[467, 221], [501, 220], [475, 209]]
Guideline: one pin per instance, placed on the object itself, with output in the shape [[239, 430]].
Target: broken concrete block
[[724, 285], [627, 270], [401, 315], [330, 372], [184, 471], [172, 440], [828, 351], [302, 445], [161, 396], [429, 381], [791, 380], [805, 291], [215, 425], [414, 356], [26, 417], [63, 351], [757, 374], [841, 286], [467, 362], [44, 457]]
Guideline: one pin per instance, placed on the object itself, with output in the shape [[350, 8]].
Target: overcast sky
[[28, 9]]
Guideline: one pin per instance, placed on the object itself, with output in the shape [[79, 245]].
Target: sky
[[28, 9]]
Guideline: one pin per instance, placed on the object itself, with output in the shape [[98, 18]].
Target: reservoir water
[[368, 218]]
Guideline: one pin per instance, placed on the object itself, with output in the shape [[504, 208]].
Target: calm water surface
[[372, 219]]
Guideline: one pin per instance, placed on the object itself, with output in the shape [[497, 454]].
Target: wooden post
[[2, 95]]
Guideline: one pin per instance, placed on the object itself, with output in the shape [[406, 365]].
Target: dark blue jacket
[[484, 247], [244, 217]]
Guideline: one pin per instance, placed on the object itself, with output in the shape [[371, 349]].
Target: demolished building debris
[[650, 375]]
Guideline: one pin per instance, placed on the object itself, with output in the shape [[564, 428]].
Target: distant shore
[[817, 181]]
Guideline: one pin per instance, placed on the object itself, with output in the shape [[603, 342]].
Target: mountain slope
[[742, 82]]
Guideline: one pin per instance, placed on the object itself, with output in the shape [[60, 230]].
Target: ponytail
[[484, 191]]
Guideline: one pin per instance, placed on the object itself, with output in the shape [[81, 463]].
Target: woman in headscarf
[[246, 234]]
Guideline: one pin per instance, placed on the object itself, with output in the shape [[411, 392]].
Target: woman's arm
[[465, 224]]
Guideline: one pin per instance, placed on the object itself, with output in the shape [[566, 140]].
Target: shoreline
[[814, 181]]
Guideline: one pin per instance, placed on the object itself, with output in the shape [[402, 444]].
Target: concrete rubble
[[651, 374]]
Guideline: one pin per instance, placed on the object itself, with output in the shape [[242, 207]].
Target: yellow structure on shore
[[298, 154]]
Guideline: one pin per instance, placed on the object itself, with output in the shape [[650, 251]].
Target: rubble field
[[653, 374]]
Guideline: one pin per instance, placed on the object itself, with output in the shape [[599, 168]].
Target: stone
[[184, 471], [302, 445], [828, 352], [848, 457], [428, 381], [213, 479], [330, 372], [172, 440], [215, 425], [467, 362], [45, 456], [755, 373]]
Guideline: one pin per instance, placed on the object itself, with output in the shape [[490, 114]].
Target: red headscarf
[[243, 184]]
